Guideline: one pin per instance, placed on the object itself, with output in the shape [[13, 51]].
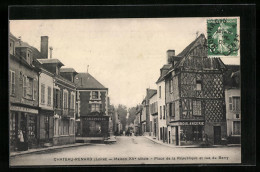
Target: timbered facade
[[195, 98]]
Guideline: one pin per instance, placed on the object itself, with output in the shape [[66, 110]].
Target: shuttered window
[[42, 93], [12, 82], [24, 86], [35, 83], [49, 96]]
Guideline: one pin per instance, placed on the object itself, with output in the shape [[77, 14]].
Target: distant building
[[93, 118], [154, 115], [233, 103]]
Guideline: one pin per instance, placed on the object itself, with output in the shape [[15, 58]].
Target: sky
[[125, 55]]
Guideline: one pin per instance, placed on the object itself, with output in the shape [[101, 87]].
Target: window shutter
[[54, 98], [61, 100], [10, 82], [101, 110]]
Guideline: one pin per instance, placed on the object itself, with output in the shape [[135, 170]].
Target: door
[[217, 135], [177, 136], [169, 137]]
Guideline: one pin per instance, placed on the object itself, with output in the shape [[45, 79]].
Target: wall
[[161, 102]]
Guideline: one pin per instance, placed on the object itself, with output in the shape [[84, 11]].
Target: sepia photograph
[[124, 91]]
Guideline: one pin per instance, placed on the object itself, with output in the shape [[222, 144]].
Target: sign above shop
[[96, 119], [23, 109], [192, 123]]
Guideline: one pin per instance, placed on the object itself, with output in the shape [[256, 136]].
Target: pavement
[[189, 146], [12, 154], [128, 150]]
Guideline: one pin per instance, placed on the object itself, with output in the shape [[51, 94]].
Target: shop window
[[12, 128], [94, 94], [236, 128], [197, 108], [49, 96], [42, 93], [32, 127], [12, 82], [46, 126], [95, 127]]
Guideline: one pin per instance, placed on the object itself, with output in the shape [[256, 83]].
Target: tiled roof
[[166, 67], [87, 81], [49, 61], [70, 70]]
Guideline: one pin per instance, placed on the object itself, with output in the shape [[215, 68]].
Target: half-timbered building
[[195, 97]]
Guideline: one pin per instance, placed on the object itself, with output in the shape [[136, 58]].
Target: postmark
[[223, 38]]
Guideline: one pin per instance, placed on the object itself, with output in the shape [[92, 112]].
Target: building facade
[[195, 97], [93, 118], [153, 115], [233, 105], [23, 95]]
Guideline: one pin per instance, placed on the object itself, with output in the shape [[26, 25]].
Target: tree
[[132, 113], [122, 112]]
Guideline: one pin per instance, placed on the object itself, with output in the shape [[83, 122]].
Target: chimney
[[44, 46], [170, 53], [51, 52]]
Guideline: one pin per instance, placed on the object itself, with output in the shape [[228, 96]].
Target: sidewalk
[[12, 154], [190, 146]]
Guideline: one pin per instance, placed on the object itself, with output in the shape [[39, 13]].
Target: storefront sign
[[23, 109], [192, 123], [95, 119]]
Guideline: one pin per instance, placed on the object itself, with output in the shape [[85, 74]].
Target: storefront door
[[217, 135], [177, 136]]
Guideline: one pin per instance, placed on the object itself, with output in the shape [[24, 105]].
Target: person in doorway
[[20, 140]]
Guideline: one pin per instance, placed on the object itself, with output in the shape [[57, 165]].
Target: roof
[[166, 67], [68, 70], [50, 61], [87, 81], [232, 76]]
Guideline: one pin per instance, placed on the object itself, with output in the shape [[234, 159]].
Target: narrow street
[[129, 150]]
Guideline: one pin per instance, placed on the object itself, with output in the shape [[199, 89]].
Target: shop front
[[23, 128], [94, 126], [187, 133]]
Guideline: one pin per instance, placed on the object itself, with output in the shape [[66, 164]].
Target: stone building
[[195, 98], [23, 94], [233, 103], [153, 115], [93, 118]]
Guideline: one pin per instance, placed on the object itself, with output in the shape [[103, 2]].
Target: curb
[[47, 149]]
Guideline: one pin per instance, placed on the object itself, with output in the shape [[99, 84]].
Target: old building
[[23, 95], [92, 97], [64, 98], [233, 105], [137, 121], [153, 115], [162, 127], [195, 96]]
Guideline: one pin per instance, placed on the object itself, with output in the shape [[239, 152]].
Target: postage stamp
[[223, 38]]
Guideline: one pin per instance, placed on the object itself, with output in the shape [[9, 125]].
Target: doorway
[[217, 135], [177, 136]]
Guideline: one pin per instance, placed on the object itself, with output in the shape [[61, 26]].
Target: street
[[129, 150]]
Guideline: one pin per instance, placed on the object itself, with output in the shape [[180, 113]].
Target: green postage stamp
[[223, 37]]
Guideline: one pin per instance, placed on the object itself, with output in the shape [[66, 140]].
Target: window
[[72, 101], [173, 109], [42, 93], [94, 94], [236, 103], [230, 103], [12, 82], [236, 127], [95, 107], [198, 85], [49, 96], [34, 88], [24, 86], [65, 100], [197, 107], [160, 112], [171, 86], [57, 98], [46, 126], [160, 91], [163, 111], [29, 88]]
